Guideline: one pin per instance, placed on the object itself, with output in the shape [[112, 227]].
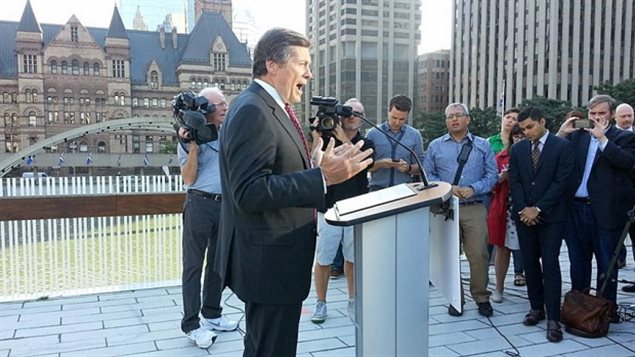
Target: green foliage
[[431, 125], [555, 110], [484, 122], [169, 147], [623, 92]]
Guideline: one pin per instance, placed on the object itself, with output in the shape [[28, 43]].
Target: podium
[[400, 245]]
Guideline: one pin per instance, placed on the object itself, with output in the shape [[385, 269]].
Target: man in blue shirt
[[201, 217], [478, 176], [394, 164]]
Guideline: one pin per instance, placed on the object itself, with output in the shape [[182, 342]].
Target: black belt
[[212, 196], [470, 203], [585, 200]]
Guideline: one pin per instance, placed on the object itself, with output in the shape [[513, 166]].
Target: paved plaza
[[146, 323]]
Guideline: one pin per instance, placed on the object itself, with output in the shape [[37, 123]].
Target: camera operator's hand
[[314, 136], [339, 133], [338, 164]]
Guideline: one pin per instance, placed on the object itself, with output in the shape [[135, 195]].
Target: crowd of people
[[254, 210]]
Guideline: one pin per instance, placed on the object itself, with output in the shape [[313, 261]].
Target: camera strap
[[462, 160]]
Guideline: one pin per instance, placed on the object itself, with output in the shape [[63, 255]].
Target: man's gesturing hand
[[340, 163]]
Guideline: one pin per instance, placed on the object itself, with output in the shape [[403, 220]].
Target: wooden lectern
[[399, 244]]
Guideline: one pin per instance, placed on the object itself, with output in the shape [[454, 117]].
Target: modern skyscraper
[[365, 49], [559, 49]]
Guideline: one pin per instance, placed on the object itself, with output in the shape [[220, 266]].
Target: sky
[[436, 15]]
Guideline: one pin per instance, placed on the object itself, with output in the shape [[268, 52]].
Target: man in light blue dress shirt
[[476, 180]]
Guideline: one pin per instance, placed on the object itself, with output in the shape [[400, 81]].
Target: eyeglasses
[[455, 115]]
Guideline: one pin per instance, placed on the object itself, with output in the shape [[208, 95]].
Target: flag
[[89, 159], [146, 161], [60, 160], [119, 161], [501, 101], [171, 159], [29, 160]]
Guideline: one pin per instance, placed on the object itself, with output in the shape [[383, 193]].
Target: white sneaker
[[219, 324], [497, 296], [319, 314], [202, 337]]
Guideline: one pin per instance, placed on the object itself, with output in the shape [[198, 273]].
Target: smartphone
[[582, 123]]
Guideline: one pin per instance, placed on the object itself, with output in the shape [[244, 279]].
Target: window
[[64, 67], [32, 119], [154, 79], [155, 102], [118, 69], [14, 119], [84, 117], [7, 119], [135, 102], [86, 69], [34, 97], [219, 62], [29, 64], [75, 65], [27, 94], [53, 67], [149, 146], [146, 102], [74, 36], [101, 146], [96, 69], [83, 146]]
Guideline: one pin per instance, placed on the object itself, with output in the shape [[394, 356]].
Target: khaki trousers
[[473, 233]]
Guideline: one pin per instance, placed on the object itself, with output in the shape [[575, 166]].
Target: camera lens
[[328, 123]]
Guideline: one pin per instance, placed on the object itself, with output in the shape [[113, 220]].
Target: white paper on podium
[[372, 199], [445, 264]]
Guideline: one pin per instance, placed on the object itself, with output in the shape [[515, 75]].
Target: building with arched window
[[59, 77]]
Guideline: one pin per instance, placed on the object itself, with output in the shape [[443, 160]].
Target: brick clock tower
[[222, 6]]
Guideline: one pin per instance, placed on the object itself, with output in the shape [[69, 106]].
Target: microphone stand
[[422, 174]]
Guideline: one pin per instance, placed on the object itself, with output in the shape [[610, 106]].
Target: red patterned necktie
[[296, 124]]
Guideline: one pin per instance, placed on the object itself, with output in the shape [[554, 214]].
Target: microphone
[[422, 174]]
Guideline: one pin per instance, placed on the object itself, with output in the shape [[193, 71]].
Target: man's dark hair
[[602, 98], [533, 113], [401, 103], [275, 45], [511, 110]]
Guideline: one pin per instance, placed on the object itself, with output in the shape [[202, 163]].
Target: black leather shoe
[[554, 332], [454, 312], [628, 288], [533, 317], [485, 309]]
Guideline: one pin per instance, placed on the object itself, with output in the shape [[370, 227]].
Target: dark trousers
[[541, 244], [200, 232], [272, 330], [584, 240]]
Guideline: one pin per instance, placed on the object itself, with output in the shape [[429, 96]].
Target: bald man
[[624, 120], [624, 117]]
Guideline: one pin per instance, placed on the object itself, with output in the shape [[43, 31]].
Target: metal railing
[[70, 236]]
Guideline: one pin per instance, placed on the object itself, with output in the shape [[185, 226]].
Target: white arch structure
[[156, 124]]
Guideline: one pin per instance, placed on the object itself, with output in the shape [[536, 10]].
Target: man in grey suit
[[270, 190]]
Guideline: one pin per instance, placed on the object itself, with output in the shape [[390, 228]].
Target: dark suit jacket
[[267, 239], [547, 187], [610, 186]]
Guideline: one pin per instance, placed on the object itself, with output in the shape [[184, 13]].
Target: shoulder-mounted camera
[[329, 112], [189, 112]]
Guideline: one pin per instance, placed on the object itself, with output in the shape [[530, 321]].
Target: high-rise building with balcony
[[559, 49], [365, 49]]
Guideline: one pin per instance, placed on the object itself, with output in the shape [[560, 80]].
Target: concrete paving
[[147, 323]]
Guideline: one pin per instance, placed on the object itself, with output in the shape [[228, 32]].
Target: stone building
[[57, 77]]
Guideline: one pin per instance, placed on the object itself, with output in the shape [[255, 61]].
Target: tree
[[623, 92], [431, 125], [555, 110], [169, 147], [484, 122]]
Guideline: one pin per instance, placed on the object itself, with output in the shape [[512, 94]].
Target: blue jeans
[[584, 239]]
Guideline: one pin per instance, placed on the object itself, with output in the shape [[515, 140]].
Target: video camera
[[189, 113], [329, 112]]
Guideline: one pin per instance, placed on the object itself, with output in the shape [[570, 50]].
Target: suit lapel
[[283, 120]]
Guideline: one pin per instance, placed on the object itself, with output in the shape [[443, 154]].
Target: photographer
[[329, 236], [201, 216]]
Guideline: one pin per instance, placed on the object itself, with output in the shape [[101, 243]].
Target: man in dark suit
[[604, 156], [270, 189], [540, 171]]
